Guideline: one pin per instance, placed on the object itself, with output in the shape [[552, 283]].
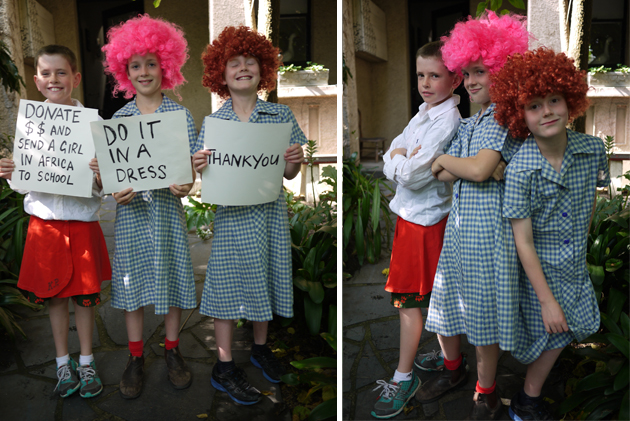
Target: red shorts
[[64, 258], [415, 256]]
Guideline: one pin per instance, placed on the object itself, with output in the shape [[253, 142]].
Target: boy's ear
[[35, 80], [76, 80], [457, 80]]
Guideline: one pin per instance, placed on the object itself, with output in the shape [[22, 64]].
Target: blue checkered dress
[[473, 292], [152, 260], [560, 207], [249, 271]]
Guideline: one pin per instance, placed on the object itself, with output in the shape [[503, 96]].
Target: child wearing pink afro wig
[[472, 292], [143, 35], [152, 264]]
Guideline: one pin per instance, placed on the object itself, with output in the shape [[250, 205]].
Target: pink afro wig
[[143, 35], [535, 74], [490, 37], [236, 41]]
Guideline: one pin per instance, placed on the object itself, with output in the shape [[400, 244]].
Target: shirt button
[[456, 195], [564, 214], [566, 241]]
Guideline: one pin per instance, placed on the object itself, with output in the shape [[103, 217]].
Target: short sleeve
[[454, 147], [297, 135], [518, 192], [193, 139], [494, 135], [200, 138], [603, 172]]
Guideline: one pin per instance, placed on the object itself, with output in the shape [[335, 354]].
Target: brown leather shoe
[[485, 407], [437, 386], [131, 382], [178, 372]]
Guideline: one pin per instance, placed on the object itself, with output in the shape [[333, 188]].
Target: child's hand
[[499, 170], [415, 151], [7, 166], [94, 166], [200, 159], [125, 196], [180, 191], [553, 317], [436, 167], [294, 154], [398, 151]]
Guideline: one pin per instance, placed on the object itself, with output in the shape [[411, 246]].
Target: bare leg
[[224, 332], [260, 332], [450, 346], [171, 323], [410, 332], [487, 360], [60, 324], [135, 323], [84, 319], [538, 371]]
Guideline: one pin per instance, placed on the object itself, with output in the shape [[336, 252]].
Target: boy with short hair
[[64, 243], [422, 204]]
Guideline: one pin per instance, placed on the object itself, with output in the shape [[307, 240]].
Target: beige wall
[[324, 36], [350, 117]]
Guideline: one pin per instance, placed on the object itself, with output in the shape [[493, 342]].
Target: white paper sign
[[53, 148], [247, 162], [145, 152]]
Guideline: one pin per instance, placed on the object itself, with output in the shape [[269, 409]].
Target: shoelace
[[63, 374], [434, 355], [389, 390], [86, 373]]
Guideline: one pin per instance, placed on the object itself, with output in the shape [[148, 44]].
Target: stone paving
[[371, 337], [28, 369]]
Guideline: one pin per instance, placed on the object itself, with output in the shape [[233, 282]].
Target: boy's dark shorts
[[410, 300], [90, 300]]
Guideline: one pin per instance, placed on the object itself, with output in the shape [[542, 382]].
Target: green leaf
[[573, 401], [332, 320], [360, 241], [610, 325], [597, 273], [625, 325], [377, 241], [596, 247], [615, 364], [624, 412], [518, 4], [313, 313], [616, 300], [376, 202], [301, 283], [290, 378], [481, 7], [323, 411], [347, 229], [496, 4], [594, 381], [622, 378], [601, 411], [316, 292], [620, 218], [316, 362], [330, 339], [613, 264], [620, 342]]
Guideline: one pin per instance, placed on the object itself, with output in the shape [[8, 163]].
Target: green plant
[[609, 144], [623, 69], [495, 5], [309, 66], [363, 227], [345, 70], [200, 216], [600, 69], [311, 150], [11, 79]]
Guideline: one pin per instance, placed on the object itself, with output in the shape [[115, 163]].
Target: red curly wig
[[237, 41], [535, 74]]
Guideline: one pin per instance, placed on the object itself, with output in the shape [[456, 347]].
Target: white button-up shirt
[[421, 198]]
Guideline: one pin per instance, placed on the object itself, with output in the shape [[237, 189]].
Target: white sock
[[63, 360], [402, 377], [86, 359]]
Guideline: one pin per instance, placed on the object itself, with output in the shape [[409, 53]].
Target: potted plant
[[312, 75], [604, 76]]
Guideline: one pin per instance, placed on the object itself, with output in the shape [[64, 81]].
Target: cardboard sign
[[53, 148], [247, 162], [145, 152]]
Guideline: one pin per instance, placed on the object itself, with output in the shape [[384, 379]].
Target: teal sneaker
[[91, 384], [394, 396], [433, 361], [68, 381]]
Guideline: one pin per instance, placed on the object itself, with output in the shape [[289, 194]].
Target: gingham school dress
[[560, 207], [152, 262], [249, 270], [473, 293]]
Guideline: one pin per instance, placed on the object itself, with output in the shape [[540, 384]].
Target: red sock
[[453, 364], [170, 344], [486, 391], [135, 348]]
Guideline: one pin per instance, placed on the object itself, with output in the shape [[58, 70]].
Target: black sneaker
[[234, 383], [271, 367], [535, 411]]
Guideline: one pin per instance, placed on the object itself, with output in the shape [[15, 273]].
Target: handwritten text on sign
[[246, 164], [53, 148], [145, 152]]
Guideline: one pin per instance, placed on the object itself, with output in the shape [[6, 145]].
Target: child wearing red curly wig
[[472, 293], [152, 263], [249, 270], [550, 185]]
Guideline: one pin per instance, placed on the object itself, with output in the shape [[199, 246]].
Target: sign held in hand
[[247, 162], [53, 148], [145, 152]]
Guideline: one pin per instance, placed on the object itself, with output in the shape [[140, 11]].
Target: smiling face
[[435, 82], [145, 74], [547, 117], [55, 79], [242, 75], [477, 83]]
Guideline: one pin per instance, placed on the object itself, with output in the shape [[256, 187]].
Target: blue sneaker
[[394, 396], [68, 381], [91, 384], [433, 361]]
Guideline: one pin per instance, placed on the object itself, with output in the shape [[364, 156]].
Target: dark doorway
[[95, 19], [428, 21]]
